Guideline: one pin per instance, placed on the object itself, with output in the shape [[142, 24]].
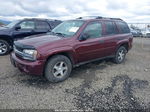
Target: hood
[[39, 40], [4, 29]]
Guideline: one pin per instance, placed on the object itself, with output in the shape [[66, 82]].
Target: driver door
[[25, 28], [92, 47]]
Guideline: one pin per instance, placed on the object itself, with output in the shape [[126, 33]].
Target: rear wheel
[[120, 55], [4, 47], [58, 68]]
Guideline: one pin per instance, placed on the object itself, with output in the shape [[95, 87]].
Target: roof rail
[[112, 18], [98, 17], [41, 19], [35, 18], [89, 17]]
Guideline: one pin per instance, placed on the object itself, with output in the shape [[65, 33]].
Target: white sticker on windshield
[[73, 29]]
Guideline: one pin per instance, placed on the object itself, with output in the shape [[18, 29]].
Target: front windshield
[[68, 28], [12, 24]]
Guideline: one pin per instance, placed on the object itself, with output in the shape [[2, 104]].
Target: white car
[[146, 33]]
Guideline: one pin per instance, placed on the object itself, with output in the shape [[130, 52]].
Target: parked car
[[136, 33], [23, 28], [147, 33], [70, 44]]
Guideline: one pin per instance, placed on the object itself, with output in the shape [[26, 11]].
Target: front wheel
[[58, 68], [4, 47], [120, 55]]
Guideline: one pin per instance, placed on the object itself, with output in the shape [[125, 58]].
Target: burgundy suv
[[70, 44]]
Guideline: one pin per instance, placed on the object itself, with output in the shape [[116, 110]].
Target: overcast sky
[[129, 10]]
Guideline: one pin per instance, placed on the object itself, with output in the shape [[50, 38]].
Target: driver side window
[[93, 30], [27, 25]]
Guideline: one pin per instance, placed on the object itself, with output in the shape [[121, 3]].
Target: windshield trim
[[14, 24]]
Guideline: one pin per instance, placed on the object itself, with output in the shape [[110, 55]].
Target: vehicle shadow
[[90, 68], [78, 72]]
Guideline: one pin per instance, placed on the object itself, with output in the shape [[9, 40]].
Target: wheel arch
[[7, 38], [68, 54], [125, 44]]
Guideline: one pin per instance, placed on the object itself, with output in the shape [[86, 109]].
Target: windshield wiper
[[60, 34]]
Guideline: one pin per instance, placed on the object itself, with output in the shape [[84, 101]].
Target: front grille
[[18, 51], [19, 48]]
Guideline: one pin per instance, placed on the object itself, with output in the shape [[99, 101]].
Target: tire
[[120, 55], [4, 47], [58, 68]]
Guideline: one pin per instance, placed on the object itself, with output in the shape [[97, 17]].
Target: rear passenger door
[[42, 27], [110, 37]]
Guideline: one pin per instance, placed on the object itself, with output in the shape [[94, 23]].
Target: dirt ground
[[99, 85]]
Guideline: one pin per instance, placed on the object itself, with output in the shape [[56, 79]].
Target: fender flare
[[65, 50], [7, 38]]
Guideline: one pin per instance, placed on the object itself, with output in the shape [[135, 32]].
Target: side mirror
[[17, 28], [84, 36]]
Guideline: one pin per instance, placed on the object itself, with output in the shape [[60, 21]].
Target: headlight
[[30, 54]]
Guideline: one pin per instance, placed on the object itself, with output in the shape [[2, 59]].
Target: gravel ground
[[98, 85]]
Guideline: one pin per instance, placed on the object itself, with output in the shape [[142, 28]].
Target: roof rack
[[98, 17]]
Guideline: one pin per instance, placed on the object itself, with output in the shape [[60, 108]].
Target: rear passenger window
[[42, 25], [111, 28], [123, 27], [93, 30], [54, 24]]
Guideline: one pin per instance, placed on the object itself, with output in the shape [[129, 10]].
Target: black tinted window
[[123, 27], [93, 30], [110, 28], [42, 25], [54, 24]]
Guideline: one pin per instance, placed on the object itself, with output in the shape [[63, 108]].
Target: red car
[[70, 44]]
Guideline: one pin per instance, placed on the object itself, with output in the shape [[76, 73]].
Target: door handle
[[101, 41]]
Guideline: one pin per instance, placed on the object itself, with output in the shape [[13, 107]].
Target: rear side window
[[110, 28], [42, 25], [123, 27], [94, 30], [54, 24]]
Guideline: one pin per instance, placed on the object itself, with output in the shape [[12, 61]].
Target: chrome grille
[[18, 51]]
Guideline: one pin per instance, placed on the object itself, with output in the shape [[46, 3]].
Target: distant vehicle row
[[140, 33]]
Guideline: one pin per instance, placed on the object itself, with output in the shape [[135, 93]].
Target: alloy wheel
[[121, 55], [60, 69], [3, 48]]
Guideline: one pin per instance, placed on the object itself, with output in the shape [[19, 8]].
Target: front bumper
[[29, 67]]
